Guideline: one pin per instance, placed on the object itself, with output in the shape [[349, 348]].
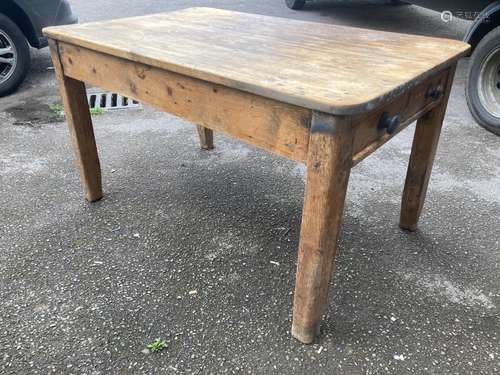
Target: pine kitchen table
[[327, 96]]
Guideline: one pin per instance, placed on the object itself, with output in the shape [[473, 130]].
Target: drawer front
[[425, 94], [397, 115]]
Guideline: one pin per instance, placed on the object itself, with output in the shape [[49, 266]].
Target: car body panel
[[461, 8], [485, 15], [33, 15], [484, 23]]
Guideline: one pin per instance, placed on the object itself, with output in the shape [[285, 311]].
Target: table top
[[329, 68]]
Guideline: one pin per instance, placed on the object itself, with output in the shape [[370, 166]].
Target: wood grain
[[74, 97], [334, 69], [328, 168], [276, 127], [409, 106], [424, 148]]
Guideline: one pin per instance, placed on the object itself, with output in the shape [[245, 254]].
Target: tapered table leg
[[79, 121], [206, 137], [328, 167], [424, 147]]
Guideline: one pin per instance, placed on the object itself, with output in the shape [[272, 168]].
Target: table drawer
[[397, 115], [429, 92]]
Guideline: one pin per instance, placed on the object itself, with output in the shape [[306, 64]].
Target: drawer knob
[[435, 93], [389, 123]]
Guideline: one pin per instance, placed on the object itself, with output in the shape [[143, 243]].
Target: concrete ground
[[83, 288]]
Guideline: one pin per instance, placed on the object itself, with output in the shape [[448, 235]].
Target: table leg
[[328, 167], [206, 137], [74, 97], [424, 147]]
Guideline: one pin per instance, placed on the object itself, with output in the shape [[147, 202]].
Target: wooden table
[[323, 95]]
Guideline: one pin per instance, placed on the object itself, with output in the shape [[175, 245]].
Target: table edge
[[53, 32]]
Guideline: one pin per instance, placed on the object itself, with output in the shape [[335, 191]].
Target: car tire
[[483, 82], [295, 4], [12, 39]]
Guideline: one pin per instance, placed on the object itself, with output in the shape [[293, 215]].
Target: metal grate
[[109, 100]]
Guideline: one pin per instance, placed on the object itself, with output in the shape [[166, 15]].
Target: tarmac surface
[[199, 248]]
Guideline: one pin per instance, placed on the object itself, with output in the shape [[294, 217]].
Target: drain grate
[[109, 100]]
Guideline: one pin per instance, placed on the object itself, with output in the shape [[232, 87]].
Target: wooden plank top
[[334, 69]]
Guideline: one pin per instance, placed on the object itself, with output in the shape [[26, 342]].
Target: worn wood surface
[[409, 106], [424, 148], [329, 68], [328, 168], [277, 127], [195, 100], [74, 97]]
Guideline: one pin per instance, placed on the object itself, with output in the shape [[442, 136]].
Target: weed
[[96, 111], [57, 109], [157, 345]]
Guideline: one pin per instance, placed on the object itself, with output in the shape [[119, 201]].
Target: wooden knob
[[435, 92], [389, 123]]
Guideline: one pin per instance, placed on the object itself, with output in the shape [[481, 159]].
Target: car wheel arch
[[22, 20], [486, 21]]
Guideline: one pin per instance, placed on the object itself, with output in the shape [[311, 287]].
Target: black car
[[483, 82], [21, 23]]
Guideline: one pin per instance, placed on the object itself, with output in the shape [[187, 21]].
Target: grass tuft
[[57, 109], [96, 111], [157, 345]]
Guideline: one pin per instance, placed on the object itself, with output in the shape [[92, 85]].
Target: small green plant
[[96, 111], [57, 109], [157, 345]]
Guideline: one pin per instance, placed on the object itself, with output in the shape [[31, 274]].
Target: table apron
[[278, 127], [411, 105], [274, 126]]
